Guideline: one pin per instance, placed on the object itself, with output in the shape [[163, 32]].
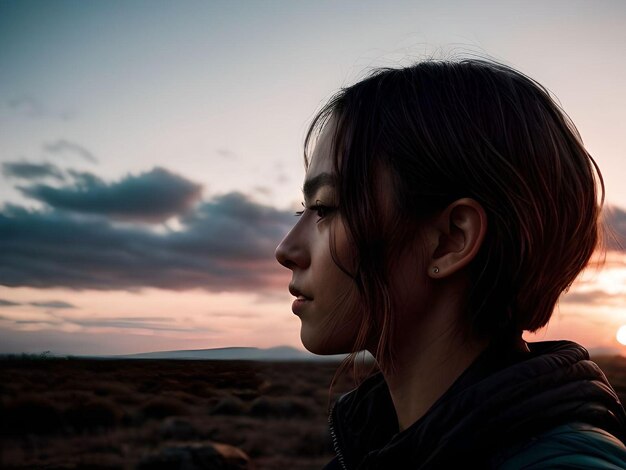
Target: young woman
[[447, 206]]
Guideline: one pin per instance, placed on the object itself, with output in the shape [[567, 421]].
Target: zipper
[[333, 436]]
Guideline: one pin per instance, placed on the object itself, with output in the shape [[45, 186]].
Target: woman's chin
[[322, 346]]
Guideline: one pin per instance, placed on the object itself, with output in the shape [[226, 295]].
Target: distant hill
[[604, 351], [279, 353]]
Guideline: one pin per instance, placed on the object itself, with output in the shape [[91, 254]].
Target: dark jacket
[[548, 408]]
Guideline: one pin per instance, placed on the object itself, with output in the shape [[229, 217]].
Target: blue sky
[[151, 152]]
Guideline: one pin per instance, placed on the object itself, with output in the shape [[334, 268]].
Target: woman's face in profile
[[329, 314]]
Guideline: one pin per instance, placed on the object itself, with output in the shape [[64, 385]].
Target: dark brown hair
[[469, 128]]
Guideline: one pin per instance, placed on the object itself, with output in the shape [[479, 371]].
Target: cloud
[[53, 304], [240, 315], [30, 171], [228, 154], [151, 323], [264, 190], [65, 147], [152, 197], [596, 296], [85, 179], [225, 244], [615, 221], [31, 107], [8, 303], [26, 105]]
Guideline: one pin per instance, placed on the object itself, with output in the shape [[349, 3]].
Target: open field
[[117, 413], [149, 414]]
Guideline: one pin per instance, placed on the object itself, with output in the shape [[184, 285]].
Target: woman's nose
[[291, 252]]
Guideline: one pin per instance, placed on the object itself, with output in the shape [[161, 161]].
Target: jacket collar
[[505, 395]]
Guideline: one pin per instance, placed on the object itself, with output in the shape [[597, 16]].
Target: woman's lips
[[301, 300], [299, 305], [293, 290]]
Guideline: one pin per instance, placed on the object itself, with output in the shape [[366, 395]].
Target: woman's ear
[[459, 231]]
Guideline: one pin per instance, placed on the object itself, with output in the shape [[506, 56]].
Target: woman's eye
[[321, 210]]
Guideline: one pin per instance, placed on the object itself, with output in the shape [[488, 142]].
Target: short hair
[[469, 128]]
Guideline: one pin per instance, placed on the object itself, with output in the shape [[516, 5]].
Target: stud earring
[[435, 269]]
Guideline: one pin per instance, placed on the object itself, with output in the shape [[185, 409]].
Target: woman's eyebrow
[[312, 185]]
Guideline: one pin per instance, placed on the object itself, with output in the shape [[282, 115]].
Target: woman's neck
[[425, 372], [431, 351]]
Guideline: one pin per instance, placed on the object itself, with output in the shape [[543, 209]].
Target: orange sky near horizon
[[155, 319], [151, 154]]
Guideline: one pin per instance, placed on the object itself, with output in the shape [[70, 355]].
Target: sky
[[151, 154]]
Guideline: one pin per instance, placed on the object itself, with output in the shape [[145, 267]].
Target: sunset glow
[[152, 156]]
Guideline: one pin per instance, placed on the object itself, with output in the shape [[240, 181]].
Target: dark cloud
[[153, 197], [589, 297], [226, 244], [30, 171], [85, 179], [31, 107], [615, 224], [138, 322], [65, 147], [151, 323], [53, 304], [8, 303]]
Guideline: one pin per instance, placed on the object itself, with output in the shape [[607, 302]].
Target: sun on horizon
[[621, 335]]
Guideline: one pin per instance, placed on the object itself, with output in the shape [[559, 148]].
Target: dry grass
[[110, 414]]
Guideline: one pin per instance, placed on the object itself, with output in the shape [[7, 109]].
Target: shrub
[[30, 414], [229, 405], [93, 414], [176, 428], [266, 407], [159, 408]]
